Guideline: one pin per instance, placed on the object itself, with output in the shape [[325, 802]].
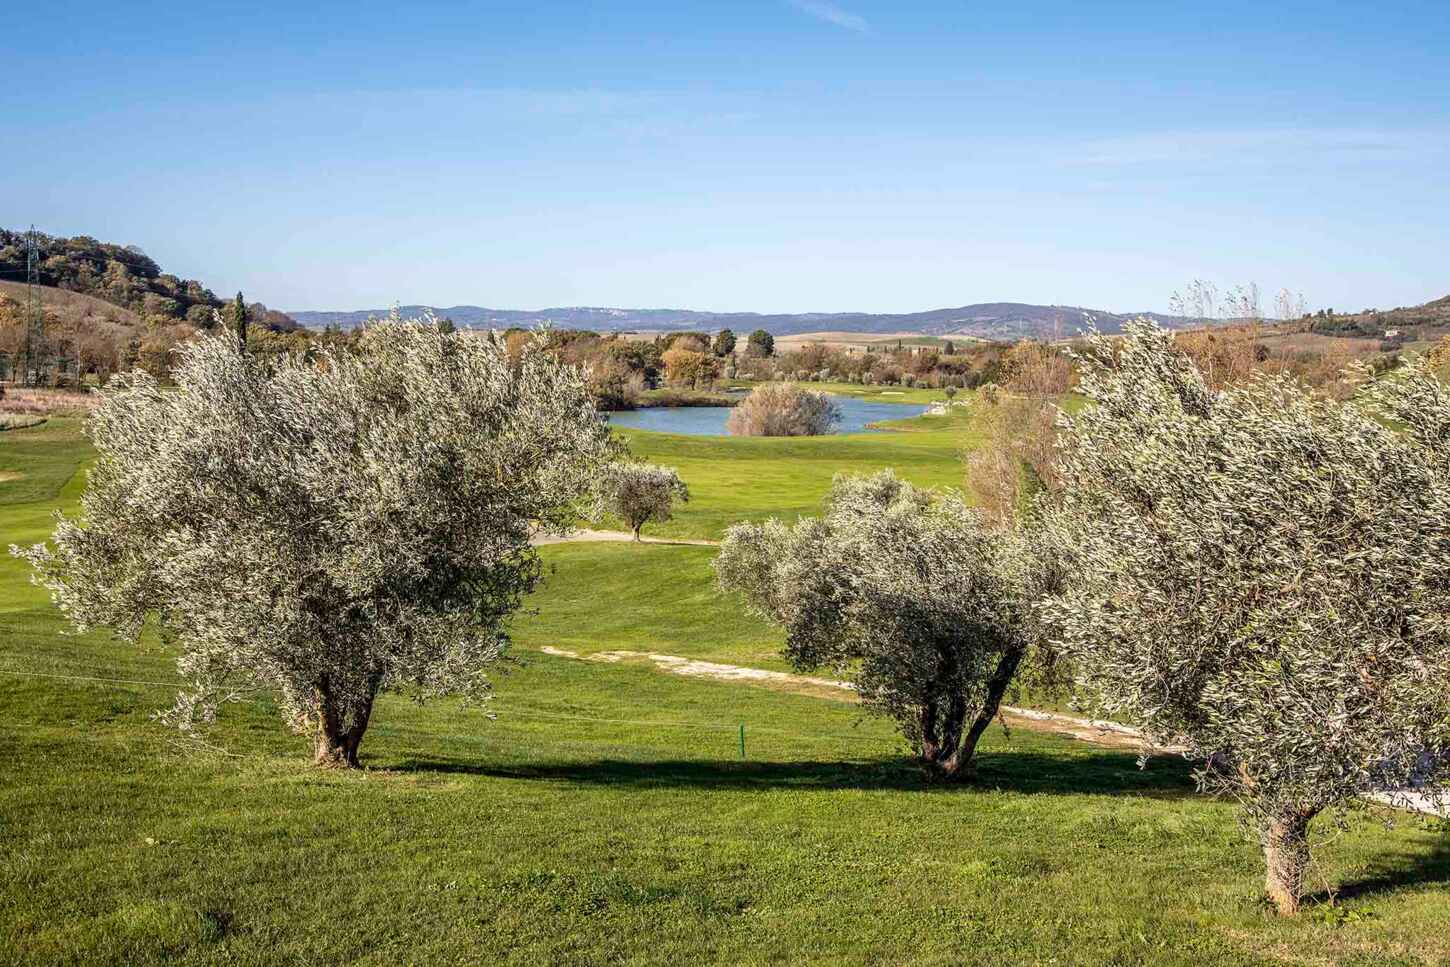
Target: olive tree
[[328, 528], [1261, 576], [638, 493], [783, 409], [906, 587]]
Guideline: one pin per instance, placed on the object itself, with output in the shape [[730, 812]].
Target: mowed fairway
[[606, 815], [753, 478], [643, 597]]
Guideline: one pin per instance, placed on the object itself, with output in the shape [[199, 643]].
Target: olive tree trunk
[[930, 743], [941, 732], [336, 740], [957, 753], [1286, 858]]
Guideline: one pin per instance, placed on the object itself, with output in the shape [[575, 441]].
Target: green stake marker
[[742, 740]]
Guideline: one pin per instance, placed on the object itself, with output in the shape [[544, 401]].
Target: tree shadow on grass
[[1394, 871], [1099, 773]]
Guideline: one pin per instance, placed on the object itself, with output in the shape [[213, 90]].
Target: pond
[[710, 420]]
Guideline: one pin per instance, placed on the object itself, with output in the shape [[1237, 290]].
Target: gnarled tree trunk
[[335, 744], [930, 743], [956, 754], [941, 733], [1286, 858]]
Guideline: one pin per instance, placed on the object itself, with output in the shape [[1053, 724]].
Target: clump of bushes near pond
[[784, 409]]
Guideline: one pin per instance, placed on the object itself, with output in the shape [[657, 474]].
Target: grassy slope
[[605, 815], [71, 305], [643, 597]]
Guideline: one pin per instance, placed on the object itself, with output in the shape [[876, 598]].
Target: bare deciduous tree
[[1289, 306], [1038, 370], [1017, 425], [1015, 458], [1197, 301], [329, 528], [1262, 576]]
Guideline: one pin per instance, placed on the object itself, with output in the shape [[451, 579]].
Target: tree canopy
[[907, 587], [760, 343], [638, 493], [1262, 576], [327, 528]]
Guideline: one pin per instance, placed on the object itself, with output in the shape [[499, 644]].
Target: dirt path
[[585, 534], [1086, 730]]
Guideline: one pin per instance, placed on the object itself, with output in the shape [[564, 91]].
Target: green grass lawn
[[606, 814], [643, 597], [659, 598], [751, 478]]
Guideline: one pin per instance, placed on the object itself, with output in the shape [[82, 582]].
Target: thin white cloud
[[831, 14], [1257, 146]]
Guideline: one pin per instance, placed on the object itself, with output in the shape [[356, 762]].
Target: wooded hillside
[[122, 275], [103, 308]]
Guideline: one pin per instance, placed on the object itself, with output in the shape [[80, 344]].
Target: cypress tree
[[239, 318]]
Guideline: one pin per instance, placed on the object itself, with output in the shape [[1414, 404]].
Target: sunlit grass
[[751, 478], [606, 815]]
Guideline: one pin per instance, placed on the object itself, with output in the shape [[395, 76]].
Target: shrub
[[784, 409], [19, 421], [1263, 577], [907, 588], [327, 529]]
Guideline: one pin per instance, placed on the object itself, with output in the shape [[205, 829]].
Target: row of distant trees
[[621, 368]]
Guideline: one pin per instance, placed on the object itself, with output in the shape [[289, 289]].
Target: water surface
[[710, 420]]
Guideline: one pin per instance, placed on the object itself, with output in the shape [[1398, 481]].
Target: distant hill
[[123, 276], [1406, 325], [987, 320]]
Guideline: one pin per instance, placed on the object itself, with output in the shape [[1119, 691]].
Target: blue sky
[[772, 155]]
